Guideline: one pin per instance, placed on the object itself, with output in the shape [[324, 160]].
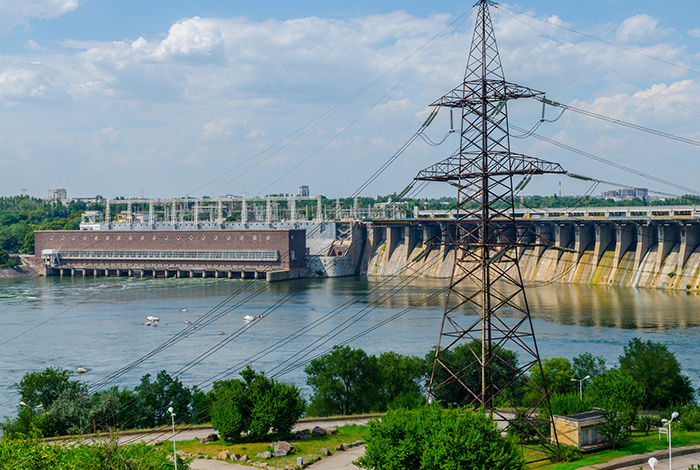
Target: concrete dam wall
[[662, 254]]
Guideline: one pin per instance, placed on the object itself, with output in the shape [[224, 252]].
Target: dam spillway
[[652, 252]]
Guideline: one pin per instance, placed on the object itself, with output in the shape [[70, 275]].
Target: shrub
[[253, 406], [433, 437], [689, 418], [564, 453], [647, 423]]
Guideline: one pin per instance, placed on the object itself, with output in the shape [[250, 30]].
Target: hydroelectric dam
[[648, 246]]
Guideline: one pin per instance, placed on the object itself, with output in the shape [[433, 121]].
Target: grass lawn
[[638, 444], [307, 449]]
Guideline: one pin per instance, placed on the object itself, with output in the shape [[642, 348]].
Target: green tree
[[557, 375], [463, 358], [400, 381], [620, 398], [435, 438], [343, 381], [251, 407], [658, 371], [154, 398], [45, 387], [587, 364]]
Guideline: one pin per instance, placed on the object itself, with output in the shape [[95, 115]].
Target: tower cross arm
[[470, 93], [456, 168]]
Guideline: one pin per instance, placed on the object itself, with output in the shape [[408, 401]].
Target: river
[[99, 324]]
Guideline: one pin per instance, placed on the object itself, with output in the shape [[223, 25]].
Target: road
[[338, 461]]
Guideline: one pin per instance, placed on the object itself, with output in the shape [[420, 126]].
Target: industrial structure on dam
[[637, 246]]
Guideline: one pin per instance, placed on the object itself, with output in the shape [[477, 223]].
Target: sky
[[177, 98]]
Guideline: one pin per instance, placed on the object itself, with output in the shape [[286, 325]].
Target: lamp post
[[580, 385], [674, 415], [32, 409], [172, 416]]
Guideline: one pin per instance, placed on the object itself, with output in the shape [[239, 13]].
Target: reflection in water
[[98, 323]]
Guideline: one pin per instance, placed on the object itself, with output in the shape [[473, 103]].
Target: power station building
[[257, 253]]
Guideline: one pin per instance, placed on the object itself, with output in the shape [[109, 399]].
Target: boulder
[[264, 455], [158, 443], [332, 431], [340, 447], [318, 431], [209, 438], [285, 446], [359, 442], [235, 457], [302, 435], [224, 455], [325, 451], [244, 458]]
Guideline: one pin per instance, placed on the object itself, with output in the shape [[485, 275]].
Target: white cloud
[[265, 80], [694, 33], [640, 28], [25, 85], [16, 12], [221, 128], [108, 137]]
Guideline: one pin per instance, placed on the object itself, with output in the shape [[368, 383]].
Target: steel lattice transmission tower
[[486, 308]]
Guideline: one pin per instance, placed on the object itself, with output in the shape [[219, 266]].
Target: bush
[[647, 423], [689, 418], [433, 437], [564, 453], [253, 406]]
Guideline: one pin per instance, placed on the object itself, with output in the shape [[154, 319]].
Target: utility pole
[[486, 309]]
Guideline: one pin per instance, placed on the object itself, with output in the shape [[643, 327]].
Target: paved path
[[337, 461], [166, 434], [683, 458]]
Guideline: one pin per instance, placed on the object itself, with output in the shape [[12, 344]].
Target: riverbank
[[20, 271]]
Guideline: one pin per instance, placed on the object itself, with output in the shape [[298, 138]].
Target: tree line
[[350, 381]]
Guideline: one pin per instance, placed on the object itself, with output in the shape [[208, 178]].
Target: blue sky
[[174, 98]]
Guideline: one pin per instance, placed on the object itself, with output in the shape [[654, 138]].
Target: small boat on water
[[81, 370], [221, 332], [184, 309], [187, 322], [249, 318], [151, 318]]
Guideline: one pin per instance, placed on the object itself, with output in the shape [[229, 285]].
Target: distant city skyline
[[166, 99]]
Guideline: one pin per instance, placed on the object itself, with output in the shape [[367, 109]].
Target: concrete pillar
[[244, 211], [375, 235], [319, 209], [129, 214], [624, 236], [563, 235], [196, 213], [448, 234], [268, 212], [669, 235], [142, 273], [72, 272], [690, 238], [392, 239], [108, 213], [646, 237], [220, 212], [545, 236], [409, 239], [604, 236], [178, 274], [173, 213], [151, 213], [430, 237], [292, 209], [584, 237]]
